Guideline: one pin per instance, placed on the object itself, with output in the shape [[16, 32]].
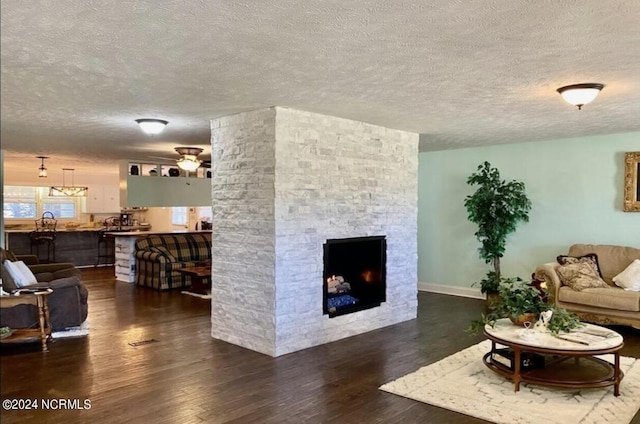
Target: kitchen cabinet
[[102, 199]]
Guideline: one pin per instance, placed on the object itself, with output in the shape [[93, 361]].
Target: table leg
[[198, 284], [516, 369], [616, 374], [41, 321], [47, 319]]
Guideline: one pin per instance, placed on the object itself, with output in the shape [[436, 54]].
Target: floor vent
[[143, 342]]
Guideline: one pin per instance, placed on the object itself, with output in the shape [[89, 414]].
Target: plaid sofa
[[159, 256]]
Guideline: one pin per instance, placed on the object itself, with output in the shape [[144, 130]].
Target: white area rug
[[462, 383], [81, 330], [201, 296]]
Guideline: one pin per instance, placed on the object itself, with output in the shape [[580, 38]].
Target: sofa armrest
[[39, 285], [547, 273], [28, 260], [61, 283], [146, 255]]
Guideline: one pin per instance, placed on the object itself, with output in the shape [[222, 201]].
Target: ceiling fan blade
[[164, 158]]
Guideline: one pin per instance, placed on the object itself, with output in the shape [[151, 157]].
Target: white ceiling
[[76, 73]]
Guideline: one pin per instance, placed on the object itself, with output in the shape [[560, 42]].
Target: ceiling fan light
[[188, 163], [152, 126], [580, 94], [189, 158]]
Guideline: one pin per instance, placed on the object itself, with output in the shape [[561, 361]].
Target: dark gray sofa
[[67, 304]]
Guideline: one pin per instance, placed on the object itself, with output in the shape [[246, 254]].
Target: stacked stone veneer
[[284, 181]]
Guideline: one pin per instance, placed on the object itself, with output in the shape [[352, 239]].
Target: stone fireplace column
[[284, 181]]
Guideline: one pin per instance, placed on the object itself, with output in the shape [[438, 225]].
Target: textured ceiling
[[76, 73]]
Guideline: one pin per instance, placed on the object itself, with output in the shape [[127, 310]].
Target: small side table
[[39, 299], [200, 278]]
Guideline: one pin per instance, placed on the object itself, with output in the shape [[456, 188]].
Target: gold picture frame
[[632, 182]]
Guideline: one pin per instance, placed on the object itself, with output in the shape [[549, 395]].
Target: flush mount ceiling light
[[68, 191], [42, 171], [189, 160], [580, 94], [152, 126]]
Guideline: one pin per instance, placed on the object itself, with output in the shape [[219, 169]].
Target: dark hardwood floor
[[185, 376]]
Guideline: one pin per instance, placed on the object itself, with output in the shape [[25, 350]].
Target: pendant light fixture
[[580, 94], [152, 126], [42, 171], [68, 191]]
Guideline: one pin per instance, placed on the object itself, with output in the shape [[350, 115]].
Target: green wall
[[575, 186]]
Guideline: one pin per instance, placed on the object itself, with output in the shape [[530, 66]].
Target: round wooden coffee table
[[565, 363]]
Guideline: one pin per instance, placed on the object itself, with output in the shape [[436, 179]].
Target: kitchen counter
[[58, 230], [79, 247], [81, 229]]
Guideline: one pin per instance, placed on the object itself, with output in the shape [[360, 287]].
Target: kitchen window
[[24, 202], [179, 216]]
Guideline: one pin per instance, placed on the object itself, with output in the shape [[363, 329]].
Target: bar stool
[[45, 235], [106, 248]]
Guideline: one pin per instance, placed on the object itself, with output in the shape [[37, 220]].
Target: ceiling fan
[[188, 160]]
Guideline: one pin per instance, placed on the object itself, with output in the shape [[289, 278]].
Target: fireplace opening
[[354, 276]]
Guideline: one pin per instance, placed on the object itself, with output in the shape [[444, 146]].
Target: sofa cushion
[[580, 276], [629, 279], [612, 259], [608, 298], [592, 258]]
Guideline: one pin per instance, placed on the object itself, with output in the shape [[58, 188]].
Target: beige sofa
[[612, 305]]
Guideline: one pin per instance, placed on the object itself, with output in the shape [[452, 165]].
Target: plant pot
[[521, 319], [492, 301]]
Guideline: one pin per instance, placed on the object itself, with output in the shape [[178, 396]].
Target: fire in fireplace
[[354, 274]]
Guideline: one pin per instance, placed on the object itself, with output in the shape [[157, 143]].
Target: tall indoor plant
[[497, 207]]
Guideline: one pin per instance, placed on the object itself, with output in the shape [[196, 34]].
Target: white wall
[[575, 186], [159, 218]]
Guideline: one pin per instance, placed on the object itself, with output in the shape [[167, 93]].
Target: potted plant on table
[[497, 207], [522, 302], [519, 302]]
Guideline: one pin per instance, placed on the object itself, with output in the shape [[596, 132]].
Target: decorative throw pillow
[[8, 284], [580, 276], [164, 251], [629, 279], [591, 258], [21, 274], [27, 276]]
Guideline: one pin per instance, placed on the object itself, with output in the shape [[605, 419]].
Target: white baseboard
[[451, 290]]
